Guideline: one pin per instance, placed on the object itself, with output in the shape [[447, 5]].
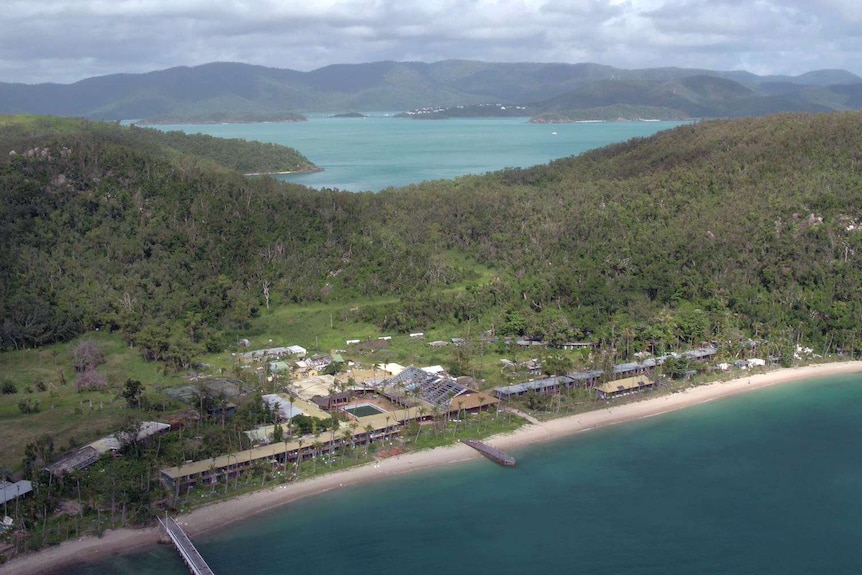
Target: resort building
[[433, 392], [216, 470], [549, 385], [624, 386]]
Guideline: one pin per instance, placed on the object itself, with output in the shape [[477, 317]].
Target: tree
[[132, 393]]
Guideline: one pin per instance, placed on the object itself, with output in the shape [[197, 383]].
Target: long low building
[[549, 385], [624, 386], [227, 467]]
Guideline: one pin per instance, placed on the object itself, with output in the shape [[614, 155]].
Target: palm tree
[[353, 426], [332, 437], [300, 441], [460, 409], [318, 446], [346, 435], [368, 429], [421, 411]]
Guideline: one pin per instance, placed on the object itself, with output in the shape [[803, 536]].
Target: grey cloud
[[67, 40]]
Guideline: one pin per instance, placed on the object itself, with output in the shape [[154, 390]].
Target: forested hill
[[724, 229], [230, 91], [23, 132]]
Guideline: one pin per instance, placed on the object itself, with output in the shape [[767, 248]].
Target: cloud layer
[[68, 40]]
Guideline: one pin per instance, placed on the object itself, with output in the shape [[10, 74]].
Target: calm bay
[[766, 482], [379, 151]]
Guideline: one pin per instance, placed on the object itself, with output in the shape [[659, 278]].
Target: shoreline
[[314, 170], [217, 515]]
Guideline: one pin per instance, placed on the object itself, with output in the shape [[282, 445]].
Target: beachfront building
[[434, 391], [220, 470], [624, 386], [549, 385]]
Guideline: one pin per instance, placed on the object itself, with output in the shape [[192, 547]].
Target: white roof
[[286, 409], [433, 369], [391, 368]]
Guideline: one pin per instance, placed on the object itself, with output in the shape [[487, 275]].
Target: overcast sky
[[68, 40]]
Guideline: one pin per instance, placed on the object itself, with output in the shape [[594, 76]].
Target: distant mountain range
[[562, 91]]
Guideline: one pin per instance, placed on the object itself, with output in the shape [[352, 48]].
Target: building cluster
[[376, 405], [370, 412], [625, 378]]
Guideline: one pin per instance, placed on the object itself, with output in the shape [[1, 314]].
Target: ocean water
[[379, 151], [767, 483]]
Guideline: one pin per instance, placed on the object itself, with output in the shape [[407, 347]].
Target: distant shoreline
[[286, 172], [217, 515]]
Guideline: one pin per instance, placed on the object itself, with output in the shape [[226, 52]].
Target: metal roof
[[10, 491], [535, 385]]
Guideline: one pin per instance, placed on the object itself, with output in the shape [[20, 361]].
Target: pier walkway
[[184, 545], [491, 453]]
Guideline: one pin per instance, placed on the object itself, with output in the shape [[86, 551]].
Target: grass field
[[80, 417]]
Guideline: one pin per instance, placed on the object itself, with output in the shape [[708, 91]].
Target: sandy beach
[[219, 514]]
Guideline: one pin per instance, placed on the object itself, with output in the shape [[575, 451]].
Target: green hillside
[[720, 230]]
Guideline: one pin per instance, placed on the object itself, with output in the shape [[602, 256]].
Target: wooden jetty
[[191, 556], [491, 453]]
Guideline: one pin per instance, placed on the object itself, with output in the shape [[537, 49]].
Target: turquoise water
[[378, 151], [765, 483]]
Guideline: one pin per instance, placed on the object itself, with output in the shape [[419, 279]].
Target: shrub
[[91, 380], [8, 387], [87, 355], [28, 406]]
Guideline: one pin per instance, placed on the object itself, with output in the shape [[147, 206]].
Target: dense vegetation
[[231, 90], [23, 132], [721, 230]]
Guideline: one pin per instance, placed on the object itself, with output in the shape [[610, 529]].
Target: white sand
[[218, 514]]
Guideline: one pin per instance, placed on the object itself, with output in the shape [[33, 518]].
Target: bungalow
[[296, 350], [623, 386]]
